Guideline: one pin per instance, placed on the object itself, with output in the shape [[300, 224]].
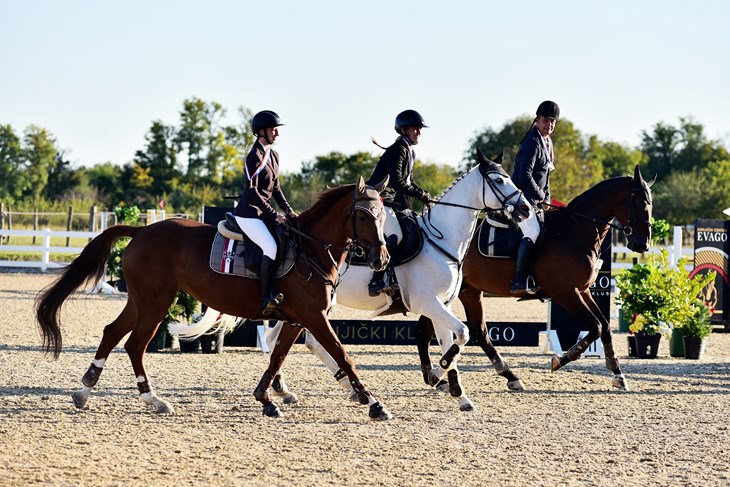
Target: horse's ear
[[640, 179], [480, 156], [382, 184], [360, 184], [500, 157]]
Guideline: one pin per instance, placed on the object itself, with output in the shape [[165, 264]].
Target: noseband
[[628, 229], [367, 205]]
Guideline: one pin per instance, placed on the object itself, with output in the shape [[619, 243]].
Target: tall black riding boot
[[523, 282], [270, 299], [377, 283]]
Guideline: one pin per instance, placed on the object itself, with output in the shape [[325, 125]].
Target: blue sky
[[96, 74]]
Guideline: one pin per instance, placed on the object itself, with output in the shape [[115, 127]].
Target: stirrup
[[518, 289], [376, 287]]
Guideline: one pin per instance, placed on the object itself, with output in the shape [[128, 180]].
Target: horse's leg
[[575, 305], [618, 381], [320, 327], [113, 333], [286, 337], [447, 326], [149, 316], [340, 376], [472, 301], [424, 332], [278, 385]]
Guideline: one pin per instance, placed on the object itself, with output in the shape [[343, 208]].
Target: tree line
[[199, 160]]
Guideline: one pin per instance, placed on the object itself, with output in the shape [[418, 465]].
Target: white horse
[[430, 282]]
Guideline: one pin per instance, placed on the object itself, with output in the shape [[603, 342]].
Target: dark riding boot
[[377, 283], [270, 299], [523, 281]]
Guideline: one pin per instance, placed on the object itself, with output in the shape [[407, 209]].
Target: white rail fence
[[44, 250]]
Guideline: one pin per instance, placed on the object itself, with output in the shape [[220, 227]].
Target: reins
[[355, 242], [486, 181]]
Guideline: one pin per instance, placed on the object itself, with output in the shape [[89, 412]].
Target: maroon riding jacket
[[260, 184]]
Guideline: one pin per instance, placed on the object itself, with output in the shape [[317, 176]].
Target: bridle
[[502, 198], [375, 211]]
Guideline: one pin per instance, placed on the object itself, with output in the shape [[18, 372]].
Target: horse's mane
[[324, 203], [588, 194], [452, 184]]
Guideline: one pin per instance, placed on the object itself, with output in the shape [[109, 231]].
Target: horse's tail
[[87, 267]]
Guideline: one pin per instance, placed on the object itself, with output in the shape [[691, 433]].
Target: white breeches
[[256, 230], [530, 227]]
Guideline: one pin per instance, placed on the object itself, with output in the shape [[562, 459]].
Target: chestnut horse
[[565, 266], [173, 255]]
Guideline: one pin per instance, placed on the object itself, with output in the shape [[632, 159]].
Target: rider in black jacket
[[533, 163], [397, 163]]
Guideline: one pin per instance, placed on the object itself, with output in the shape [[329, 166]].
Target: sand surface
[[568, 428]]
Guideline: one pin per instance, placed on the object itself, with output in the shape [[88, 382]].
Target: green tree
[[576, 168], [492, 142], [12, 182], [106, 178], [685, 148], [616, 159], [40, 157], [200, 136], [680, 197], [159, 158], [716, 190]]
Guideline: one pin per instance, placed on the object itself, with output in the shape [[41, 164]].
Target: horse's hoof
[[379, 413], [435, 377], [555, 363], [619, 382], [79, 399], [442, 386], [426, 370], [466, 405], [515, 385], [289, 398], [163, 407], [272, 411]]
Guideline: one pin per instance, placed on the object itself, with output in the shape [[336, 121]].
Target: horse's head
[[368, 217], [504, 194], [637, 226]]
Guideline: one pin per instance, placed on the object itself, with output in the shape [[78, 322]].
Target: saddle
[[407, 249], [498, 238], [232, 253]]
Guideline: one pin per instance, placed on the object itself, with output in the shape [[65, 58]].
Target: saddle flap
[[498, 242]]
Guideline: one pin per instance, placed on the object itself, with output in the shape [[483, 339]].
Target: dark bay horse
[[173, 255], [565, 267]]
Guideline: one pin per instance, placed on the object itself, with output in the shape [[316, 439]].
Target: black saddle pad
[[407, 249], [243, 258], [496, 242]]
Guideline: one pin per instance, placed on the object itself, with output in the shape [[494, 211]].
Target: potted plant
[[127, 215], [696, 329], [660, 297], [659, 232]]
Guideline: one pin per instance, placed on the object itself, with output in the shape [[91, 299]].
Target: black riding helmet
[[264, 119], [549, 109], [409, 118]]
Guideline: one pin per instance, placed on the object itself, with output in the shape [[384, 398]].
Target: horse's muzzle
[[378, 258], [640, 247], [521, 212]]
